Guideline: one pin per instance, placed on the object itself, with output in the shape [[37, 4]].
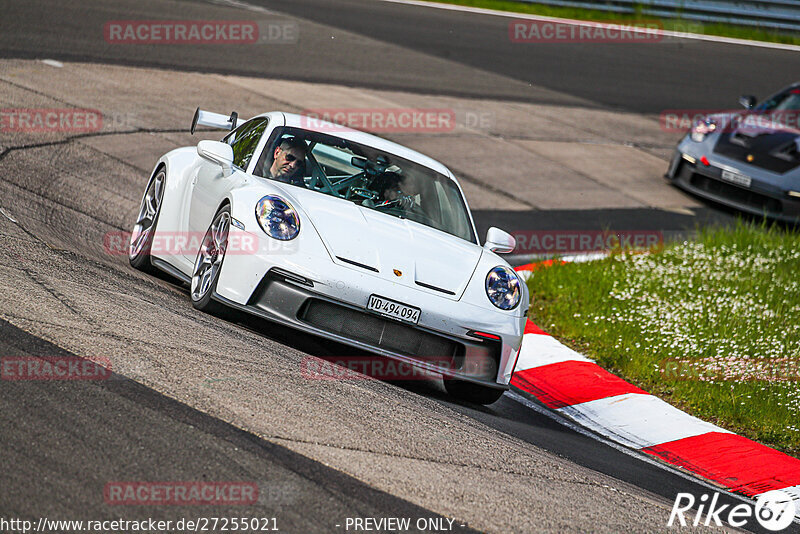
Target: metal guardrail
[[768, 14]]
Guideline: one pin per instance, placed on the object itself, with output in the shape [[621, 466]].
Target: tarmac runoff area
[[508, 156], [60, 197]]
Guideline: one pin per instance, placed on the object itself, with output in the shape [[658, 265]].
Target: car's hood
[[765, 140], [373, 242]]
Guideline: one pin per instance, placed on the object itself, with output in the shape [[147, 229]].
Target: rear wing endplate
[[214, 120]]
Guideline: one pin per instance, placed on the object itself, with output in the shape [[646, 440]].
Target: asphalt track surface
[[66, 440]]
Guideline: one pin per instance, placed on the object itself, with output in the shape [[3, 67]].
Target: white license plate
[[390, 308], [736, 178]]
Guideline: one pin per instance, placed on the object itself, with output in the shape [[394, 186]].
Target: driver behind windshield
[[288, 162]]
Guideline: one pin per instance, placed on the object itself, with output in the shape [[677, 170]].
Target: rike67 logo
[[774, 510]]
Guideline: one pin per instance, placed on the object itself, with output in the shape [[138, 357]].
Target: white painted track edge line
[[527, 16]]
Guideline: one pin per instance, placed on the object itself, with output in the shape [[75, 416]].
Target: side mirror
[[748, 101], [216, 152], [499, 241]]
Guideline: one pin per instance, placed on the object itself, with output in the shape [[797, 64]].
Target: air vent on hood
[[447, 291], [787, 152], [351, 262], [737, 138]]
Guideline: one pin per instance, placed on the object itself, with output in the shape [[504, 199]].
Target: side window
[[244, 140]]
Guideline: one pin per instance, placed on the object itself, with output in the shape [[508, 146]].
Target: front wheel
[[145, 227], [208, 264], [470, 392]]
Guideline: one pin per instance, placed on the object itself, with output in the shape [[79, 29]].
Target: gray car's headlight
[[702, 128], [277, 218], [503, 288]]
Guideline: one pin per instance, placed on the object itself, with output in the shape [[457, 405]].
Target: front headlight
[[503, 288], [277, 218], [701, 128]]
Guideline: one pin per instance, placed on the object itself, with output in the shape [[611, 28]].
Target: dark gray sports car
[[749, 160]]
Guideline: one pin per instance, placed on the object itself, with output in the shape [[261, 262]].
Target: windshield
[[368, 177], [788, 101]]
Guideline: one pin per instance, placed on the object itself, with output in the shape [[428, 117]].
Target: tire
[[142, 234], [208, 264], [467, 391]]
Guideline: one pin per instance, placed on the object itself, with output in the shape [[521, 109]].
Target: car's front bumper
[[762, 197], [286, 299]]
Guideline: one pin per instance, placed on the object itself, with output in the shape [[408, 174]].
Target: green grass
[[724, 30], [712, 325]]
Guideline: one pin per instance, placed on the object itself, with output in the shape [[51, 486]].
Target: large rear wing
[[214, 120]]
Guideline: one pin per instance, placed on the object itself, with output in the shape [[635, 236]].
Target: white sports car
[[341, 234]]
